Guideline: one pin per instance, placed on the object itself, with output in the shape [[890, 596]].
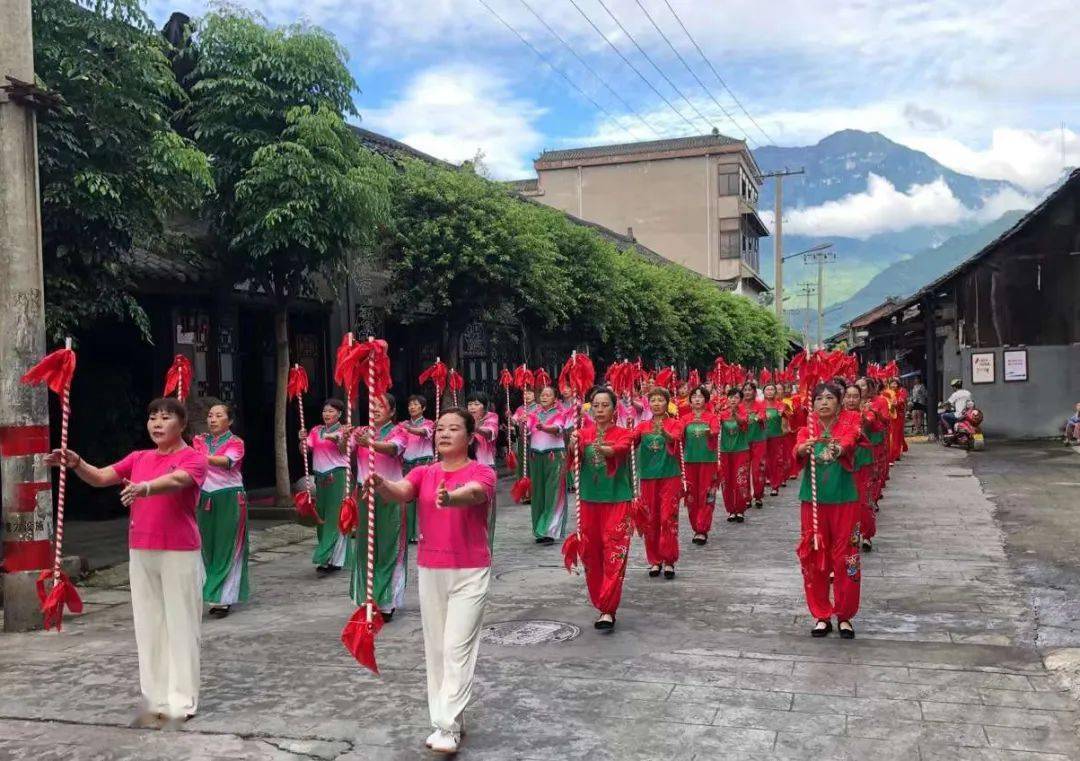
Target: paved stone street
[[714, 664]]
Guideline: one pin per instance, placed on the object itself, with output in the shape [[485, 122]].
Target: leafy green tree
[[296, 190], [112, 169]]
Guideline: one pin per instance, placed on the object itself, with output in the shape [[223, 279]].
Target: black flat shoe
[[700, 539], [820, 631], [732, 518], [218, 611], [846, 632], [774, 493], [388, 616], [322, 570], [759, 503], [654, 571], [867, 545], [669, 573], [545, 540], [740, 518], [604, 625]]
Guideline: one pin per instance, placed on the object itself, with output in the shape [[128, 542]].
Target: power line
[[592, 71], [631, 65], [716, 73], [693, 73], [659, 71], [556, 69]]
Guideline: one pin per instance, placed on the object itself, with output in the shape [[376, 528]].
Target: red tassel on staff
[[456, 383], [349, 517], [360, 631], [295, 388], [178, 377], [579, 375], [511, 459], [521, 490], [56, 371], [573, 551]]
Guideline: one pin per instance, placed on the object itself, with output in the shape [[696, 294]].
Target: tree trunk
[[282, 483]]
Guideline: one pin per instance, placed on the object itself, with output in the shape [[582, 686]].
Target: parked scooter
[[967, 432]]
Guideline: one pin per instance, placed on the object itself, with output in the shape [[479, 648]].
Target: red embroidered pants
[[660, 496], [839, 526], [606, 528], [757, 467], [700, 479], [775, 461], [864, 481], [735, 481]]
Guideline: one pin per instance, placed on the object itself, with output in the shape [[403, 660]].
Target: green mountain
[[904, 277]]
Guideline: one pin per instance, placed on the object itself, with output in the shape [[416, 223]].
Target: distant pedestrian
[[918, 406], [328, 443], [223, 514], [453, 499], [161, 488]]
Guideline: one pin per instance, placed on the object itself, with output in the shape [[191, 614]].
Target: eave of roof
[[699, 143]]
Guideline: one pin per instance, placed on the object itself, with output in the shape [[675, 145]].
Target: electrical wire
[[717, 74], [590, 69], [693, 73], [665, 77], [631, 65], [556, 69]]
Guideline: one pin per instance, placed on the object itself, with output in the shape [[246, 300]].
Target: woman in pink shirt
[[327, 443], [455, 497], [161, 487], [419, 450], [223, 513], [391, 541]]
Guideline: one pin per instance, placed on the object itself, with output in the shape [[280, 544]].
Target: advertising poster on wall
[[1014, 365], [982, 367]]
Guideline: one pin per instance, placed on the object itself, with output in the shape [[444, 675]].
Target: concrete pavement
[[716, 663]]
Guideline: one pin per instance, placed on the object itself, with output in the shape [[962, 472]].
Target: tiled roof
[[873, 315], [391, 148], [649, 146], [530, 185], [181, 270]]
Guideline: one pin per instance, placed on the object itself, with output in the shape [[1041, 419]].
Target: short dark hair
[[701, 390], [610, 395], [170, 406], [461, 412], [419, 399], [661, 392], [478, 396], [388, 400], [336, 403], [229, 413], [832, 387]]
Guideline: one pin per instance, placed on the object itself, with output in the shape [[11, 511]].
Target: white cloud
[[882, 208], [1032, 159], [455, 111]]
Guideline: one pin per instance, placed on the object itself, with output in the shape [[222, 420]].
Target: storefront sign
[[982, 367], [1015, 364]]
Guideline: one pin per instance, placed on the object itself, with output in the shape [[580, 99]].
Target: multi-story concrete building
[[692, 199]]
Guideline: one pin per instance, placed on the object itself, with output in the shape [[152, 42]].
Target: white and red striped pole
[[65, 418], [303, 443], [370, 572]]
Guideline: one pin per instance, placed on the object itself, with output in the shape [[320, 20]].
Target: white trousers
[[452, 610], [166, 600]]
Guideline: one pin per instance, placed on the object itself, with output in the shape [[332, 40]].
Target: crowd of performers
[[595, 459]]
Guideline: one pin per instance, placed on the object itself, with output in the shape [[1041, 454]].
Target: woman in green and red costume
[[327, 443], [660, 471], [734, 455], [829, 546], [223, 513], [607, 494], [776, 424], [755, 434], [856, 412], [700, 434]]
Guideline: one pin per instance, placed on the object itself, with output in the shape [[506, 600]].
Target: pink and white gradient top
[[226, 445], [542, 441], [418, 446], [627, 415], [386, 465], [325, 455], [487, 434]]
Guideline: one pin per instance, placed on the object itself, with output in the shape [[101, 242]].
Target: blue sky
[[982, 87]]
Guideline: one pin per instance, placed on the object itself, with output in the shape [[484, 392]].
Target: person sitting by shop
[[1072, 427], [958, 402]]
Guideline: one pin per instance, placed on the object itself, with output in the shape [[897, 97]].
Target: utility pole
[[807, 290], [821, 258], [778, 237], [26, 495]]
